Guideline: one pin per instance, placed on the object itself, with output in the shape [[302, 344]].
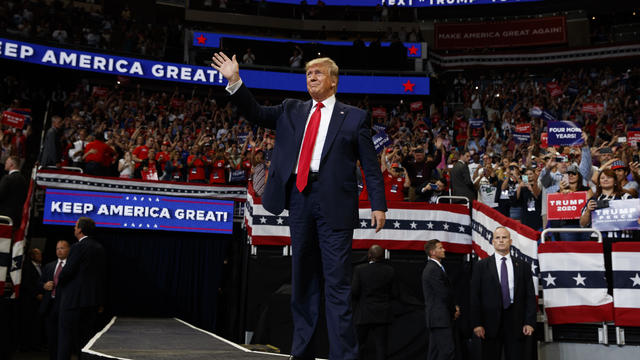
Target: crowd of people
[[66, 24], [136, 133]]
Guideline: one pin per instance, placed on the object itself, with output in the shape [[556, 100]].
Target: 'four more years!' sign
[[564, 133], [139, 211]]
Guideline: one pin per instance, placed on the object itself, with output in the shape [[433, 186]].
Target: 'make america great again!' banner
[[500, 34]]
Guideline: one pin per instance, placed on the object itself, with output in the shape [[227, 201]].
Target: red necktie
[[307, 148], [55, 278]]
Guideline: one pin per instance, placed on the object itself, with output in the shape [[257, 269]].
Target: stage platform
[[171, 338]]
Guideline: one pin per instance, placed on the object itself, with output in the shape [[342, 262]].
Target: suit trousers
[[75, 328], [441, 344], [321, 258], [512, 343], [379, 334], [51, 329]]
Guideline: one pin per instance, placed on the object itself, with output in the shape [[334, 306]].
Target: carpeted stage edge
[[171, 338]]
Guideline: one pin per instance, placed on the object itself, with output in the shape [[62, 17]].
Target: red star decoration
[[201, 39], [413, 50], [408, 86]]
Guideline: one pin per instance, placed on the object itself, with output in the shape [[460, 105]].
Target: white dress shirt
[[509, 271], [325, 119]]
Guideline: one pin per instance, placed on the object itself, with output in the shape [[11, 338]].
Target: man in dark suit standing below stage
[[81, 289], [461, 184], [313, 174], [373, 288], [503, 301], [440, 309], [49, 308], [13, 191]]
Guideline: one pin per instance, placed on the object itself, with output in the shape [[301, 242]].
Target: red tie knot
[[319, 105]]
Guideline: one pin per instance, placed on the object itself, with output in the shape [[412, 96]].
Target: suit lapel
[[494, 270], [337, 118]]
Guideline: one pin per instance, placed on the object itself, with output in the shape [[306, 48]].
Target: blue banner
[[402, 3], [379, 127], [521, 138], [476, 123], [535, 111], [212, 40], [380, 141], [620, 215], [138, 211], [564, 133], [202, 75], [547, 116]]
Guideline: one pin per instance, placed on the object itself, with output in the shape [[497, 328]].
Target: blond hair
[[325, 61]]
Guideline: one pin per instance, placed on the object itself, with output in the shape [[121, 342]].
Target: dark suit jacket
[[13, 192], [348, 140], [461, 184], [47, 275], [486, 297], [82, 280], [438, 296], [372, 289]]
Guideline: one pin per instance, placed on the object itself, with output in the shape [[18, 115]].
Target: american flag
[[524, 246], [574, 283], [75, 181], [19, 241], [408, 226], [625, 257], [5, 253]]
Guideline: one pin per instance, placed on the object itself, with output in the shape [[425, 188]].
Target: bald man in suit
[[503, 301]]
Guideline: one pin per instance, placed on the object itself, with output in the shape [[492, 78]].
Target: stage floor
[[141, 338]]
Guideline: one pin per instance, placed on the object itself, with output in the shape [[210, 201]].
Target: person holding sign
[[608, 189], [313, 174], [571, 183]]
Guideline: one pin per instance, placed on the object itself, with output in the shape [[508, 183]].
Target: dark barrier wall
[[158, 273]]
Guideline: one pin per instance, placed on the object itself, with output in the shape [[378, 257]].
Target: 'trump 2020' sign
[[139, 211]]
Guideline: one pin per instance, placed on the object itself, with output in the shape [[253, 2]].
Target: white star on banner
[[155, 226], [125, 224], [413, 225], [533, 267], [396, 225], [550, 280], [263, 220], [430, 225], [133, 225], [147, 226], [126, 198], [363, 223], [636, 280], [157, 200], [445, 226], [135, 198], [461, 228], [580, 280], [142, 198], [280, 220]]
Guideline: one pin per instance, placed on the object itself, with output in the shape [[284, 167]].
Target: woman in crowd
[[608, 189], [571, 183], [126, 166]]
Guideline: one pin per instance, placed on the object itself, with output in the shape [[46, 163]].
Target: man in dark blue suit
[[440, 309], [313, 175], [503, 301], [49, 308], [81, 290]]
